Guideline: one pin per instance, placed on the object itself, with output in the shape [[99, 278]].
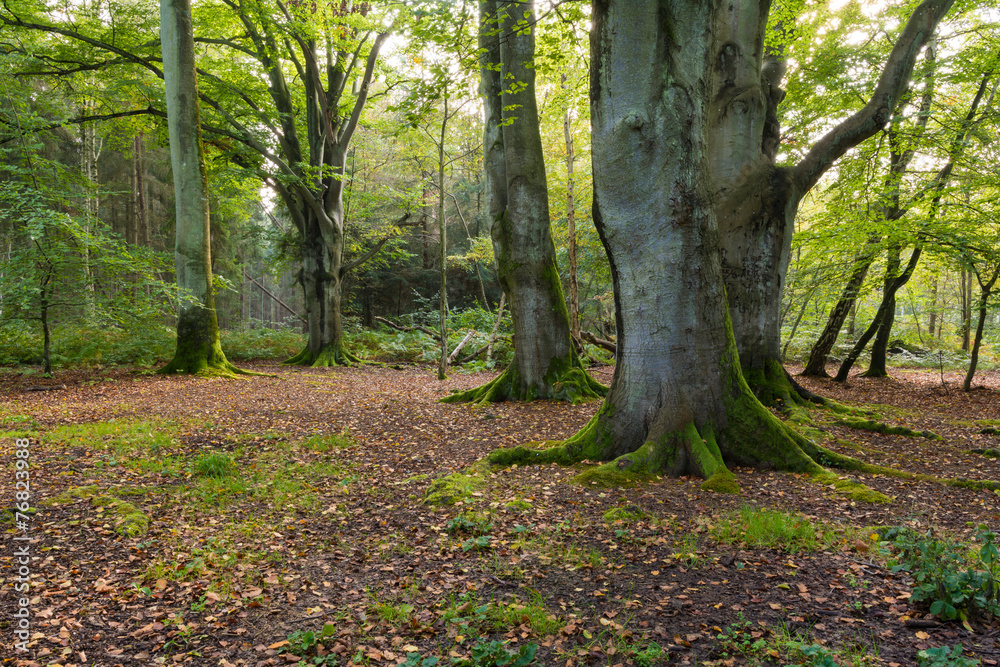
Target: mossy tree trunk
[[666, 113], [545, 361], [756, 201], [199, 349]]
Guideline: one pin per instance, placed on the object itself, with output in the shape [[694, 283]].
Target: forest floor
[[320, 524]]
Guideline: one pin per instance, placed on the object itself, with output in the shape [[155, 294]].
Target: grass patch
[[772, 529], [330, 442], [215, 465]]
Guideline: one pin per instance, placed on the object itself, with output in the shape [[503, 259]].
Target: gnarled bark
[[757, 201]]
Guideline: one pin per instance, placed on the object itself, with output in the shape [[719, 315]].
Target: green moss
[[989, 430], [414, 479], [722, 481], [879, 427], [130, 521], [519, 505], [333, 354], [851, 488], [988, 452], [627, 514], [456, 487], [609, 476]]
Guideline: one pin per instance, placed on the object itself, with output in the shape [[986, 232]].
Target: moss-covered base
[[206, 362], [988, 452], [566, 381], [879, 427], [130, 521], [333, 354], [774, 387]]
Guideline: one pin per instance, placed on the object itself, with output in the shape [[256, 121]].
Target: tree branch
[[350, 266], [877, 112]]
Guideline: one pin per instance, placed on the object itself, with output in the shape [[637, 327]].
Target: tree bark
[[199, 349], [443, 230], [757, 201], [574, 290], [545, 361]]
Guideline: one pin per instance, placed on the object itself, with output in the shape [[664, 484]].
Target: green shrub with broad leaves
[[955, 584]]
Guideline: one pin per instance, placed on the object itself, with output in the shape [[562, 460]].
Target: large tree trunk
[[198, 347], [665, 111], [678, 403], [757, 202], [545, 362]]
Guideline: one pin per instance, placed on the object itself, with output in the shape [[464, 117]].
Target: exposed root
[[204, 368], [564, 382], [774, 387], [832, 459], [989, 452], [331, 355], [879, 427]]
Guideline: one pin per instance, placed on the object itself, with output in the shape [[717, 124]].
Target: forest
[[509, 332]]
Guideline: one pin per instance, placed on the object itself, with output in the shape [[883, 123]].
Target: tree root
[[204, 368], [572, 384], [879, 427], [774, 387], [331, 355]]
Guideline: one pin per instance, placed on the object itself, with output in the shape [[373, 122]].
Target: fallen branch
[[600, 342], [472, 355], [397, 327], [46, 387], [458, 348]]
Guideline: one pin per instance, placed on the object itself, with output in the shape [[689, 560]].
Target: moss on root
[[851, 488], [130, 521], [988, 452], [879, 427], [333, 354], [566, 380]]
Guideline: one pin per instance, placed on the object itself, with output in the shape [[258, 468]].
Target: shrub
[[954, 585]]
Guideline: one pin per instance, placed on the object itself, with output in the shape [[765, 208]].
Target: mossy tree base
[[774, 387], [330, 355], [206, 363], [565, 382]]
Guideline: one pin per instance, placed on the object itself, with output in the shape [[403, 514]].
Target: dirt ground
[[390, 575]]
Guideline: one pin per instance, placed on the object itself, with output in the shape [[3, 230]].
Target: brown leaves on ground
[[315, 531]]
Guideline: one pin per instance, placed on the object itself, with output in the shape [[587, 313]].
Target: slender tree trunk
[[443, 228], [984, 296], [966, 290], [574, 291], [198, 347], [932, 322], [877, 367], [545, 362], [888, 303], [816, 365]]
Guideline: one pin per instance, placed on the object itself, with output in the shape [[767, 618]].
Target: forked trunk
[[678, 402]]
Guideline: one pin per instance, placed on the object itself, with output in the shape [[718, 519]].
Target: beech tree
[[686, 192], [199, 349], [545, 361]]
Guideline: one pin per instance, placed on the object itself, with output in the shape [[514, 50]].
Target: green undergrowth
[[885, 429], [953, 580], [759, 528]]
